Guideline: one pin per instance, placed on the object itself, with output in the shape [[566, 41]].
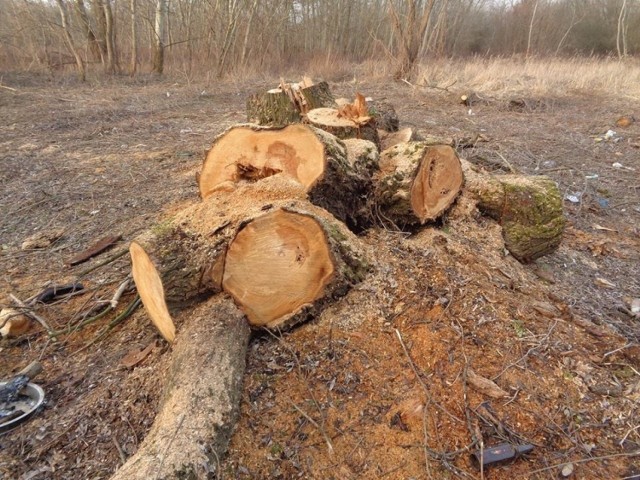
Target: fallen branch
[[32, 315]]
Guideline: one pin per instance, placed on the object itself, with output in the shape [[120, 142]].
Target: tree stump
[[529, 208], [281, 260], [200, 404], [327, 119], [315, 159], [404, 135], [417, 183], [284, 106]]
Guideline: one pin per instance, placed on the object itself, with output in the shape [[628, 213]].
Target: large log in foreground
[[529, 208], [281, 260], [312, 157], [200, 404], [417, 183]]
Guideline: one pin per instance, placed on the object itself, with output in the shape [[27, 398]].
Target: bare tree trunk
[[533, 17], [101, 29], [64, 18], [134, 40], [112, 60], [620, 36], [92, 42], [162, 9]]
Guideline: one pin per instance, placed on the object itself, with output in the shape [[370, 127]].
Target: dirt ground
[[377, 386]]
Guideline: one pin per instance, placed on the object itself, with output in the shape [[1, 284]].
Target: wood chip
[[590, 327], [134, 357], [95, 249], [546, 309], [484, 385], [603, 282], [42, 239]]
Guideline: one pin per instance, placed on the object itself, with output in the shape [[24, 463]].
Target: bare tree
[[162, 9], [66, 29]]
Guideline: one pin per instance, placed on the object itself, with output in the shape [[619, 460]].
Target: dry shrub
[[539, 76]]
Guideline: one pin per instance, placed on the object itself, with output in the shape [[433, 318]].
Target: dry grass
[[537, 76]]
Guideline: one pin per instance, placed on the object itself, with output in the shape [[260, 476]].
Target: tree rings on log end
[[276, 265], [437, 183], [250, 153]]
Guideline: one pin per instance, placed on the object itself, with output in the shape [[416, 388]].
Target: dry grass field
[[377, 386]]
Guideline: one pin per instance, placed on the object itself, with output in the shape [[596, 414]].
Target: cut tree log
[[312, 157], [404, 135], [329, 120], [529, 208], [200, 404], [362, 155], [417, 183], [282, 260], [288, 103]]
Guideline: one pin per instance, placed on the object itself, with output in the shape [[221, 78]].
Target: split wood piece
[[200, 404], [288, 103], [529, 208], [95, 249], [312, 157], [417, 183], [328, 119], [283, 261], [149, 286]]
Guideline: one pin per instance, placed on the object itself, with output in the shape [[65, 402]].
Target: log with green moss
[[529, 208]]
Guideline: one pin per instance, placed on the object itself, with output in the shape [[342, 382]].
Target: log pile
[[273, 242]]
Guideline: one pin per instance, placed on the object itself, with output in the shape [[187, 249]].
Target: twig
[[107, 261], [590, 459], [123, 457], [315, 424], [8, 88], [31, 314], [506, 162], [116, 296]]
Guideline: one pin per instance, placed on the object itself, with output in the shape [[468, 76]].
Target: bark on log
[[529, 209], [328, 120], [282, 260], [314, 158], [417, 183], [362, 155], [200, 405], [385, 115], [276, 107]]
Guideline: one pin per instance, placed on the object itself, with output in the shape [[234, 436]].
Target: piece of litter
[[572, 198], [616, 165], [591, 177], [605, 283], [567, 470], [609, 135], [635, 305], [603, 202]]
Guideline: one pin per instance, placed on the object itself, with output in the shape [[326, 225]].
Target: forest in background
[[229, 37]]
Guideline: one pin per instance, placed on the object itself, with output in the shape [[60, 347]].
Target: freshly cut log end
[[437, 183], [250, 153], [276, 265], [417, 182], [151, 292], [329, 120], [312, 157]]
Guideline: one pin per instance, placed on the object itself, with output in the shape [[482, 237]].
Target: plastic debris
[[573, 198]]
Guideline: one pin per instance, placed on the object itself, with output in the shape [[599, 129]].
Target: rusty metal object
[[502, 453]]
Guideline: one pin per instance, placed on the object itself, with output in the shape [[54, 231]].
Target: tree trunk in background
[[64, 18], [162, 9], [109, 36], [134, 41], [101, 29], [92, 42]]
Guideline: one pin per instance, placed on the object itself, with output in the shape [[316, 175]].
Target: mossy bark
[[200, 404], [529, 208]]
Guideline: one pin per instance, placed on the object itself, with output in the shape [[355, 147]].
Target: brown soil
[[337, 397]]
